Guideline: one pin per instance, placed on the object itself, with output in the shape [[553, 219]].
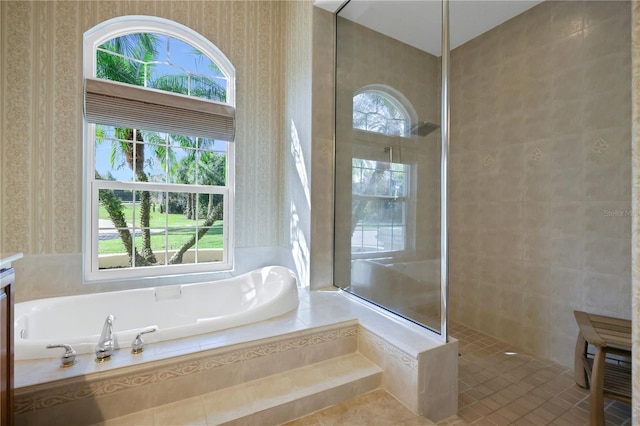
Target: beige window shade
[[123, 105]]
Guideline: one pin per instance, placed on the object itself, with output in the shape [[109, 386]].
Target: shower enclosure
[[390, 157]]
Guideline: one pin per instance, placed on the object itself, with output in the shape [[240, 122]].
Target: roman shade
[[124, 105]]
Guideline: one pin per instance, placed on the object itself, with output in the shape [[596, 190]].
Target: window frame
[[93, 38], [408, 206], [370, 145], [397, 99]]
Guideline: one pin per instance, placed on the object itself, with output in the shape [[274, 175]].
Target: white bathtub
[[177, 311]]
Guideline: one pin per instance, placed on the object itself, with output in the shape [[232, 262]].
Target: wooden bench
[[605, 378]]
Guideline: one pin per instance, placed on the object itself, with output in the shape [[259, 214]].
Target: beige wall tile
[[60, 414], [400, 381], [545, 97], [603, 292], [186, 412], [140, 418]]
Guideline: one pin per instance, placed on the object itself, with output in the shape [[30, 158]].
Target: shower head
[[422, 128]]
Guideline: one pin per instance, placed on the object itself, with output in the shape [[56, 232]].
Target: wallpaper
[[296, 110], [42, 113]]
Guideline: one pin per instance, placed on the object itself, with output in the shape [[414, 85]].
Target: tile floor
[[373, 408], [498, 385]]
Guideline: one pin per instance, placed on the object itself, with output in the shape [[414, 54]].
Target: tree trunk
[[114, 208], [210, 206], [216, 214], [145, 214], [145, 196], [191, 206]]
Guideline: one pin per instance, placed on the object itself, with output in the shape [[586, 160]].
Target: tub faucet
[[68, 358], [106, 344], [137, 346]]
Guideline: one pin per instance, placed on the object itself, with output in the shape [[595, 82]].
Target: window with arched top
[[376, 110], [380, 189], [159, 152]]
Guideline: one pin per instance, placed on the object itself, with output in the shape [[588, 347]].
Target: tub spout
[[106, 344]]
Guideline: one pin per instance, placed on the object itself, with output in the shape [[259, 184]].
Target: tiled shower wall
[[635, 249], [541, 174]]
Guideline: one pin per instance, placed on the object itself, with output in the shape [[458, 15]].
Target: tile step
[[294, 393]]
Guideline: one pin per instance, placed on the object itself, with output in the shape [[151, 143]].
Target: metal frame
[[444, 192]]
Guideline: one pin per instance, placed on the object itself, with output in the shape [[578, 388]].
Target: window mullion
[[166, 195], [196, 157], [166, 227]]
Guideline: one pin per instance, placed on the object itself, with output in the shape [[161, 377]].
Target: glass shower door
[[388, 160]]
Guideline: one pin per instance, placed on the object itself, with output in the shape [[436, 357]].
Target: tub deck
[[414, 361]]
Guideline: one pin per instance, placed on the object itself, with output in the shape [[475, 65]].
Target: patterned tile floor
[[498, 385]]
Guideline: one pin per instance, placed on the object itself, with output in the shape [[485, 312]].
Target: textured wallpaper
[[296, 111], [42, 114], [268, 42]]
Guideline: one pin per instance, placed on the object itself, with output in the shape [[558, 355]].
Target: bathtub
[[176, 311]]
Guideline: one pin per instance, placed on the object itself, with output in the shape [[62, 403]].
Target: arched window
[[159, 132], [380, 189], [376, 110]]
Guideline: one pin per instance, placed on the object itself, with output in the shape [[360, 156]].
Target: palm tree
[[128, 59], [211, 169], [124, 59]]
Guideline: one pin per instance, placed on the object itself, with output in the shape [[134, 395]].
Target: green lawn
[[156, 219], [181, 230], [176, 238]]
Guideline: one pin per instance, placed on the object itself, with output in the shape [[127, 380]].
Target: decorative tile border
[[389, 349], [28, 400]]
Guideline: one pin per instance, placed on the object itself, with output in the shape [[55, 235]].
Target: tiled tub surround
[[417, 369]]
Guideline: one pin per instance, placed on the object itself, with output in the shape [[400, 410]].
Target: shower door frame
[[444, 173], [443, 333]]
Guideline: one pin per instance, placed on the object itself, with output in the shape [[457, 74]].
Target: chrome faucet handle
[[137, 345], [68, 358]]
